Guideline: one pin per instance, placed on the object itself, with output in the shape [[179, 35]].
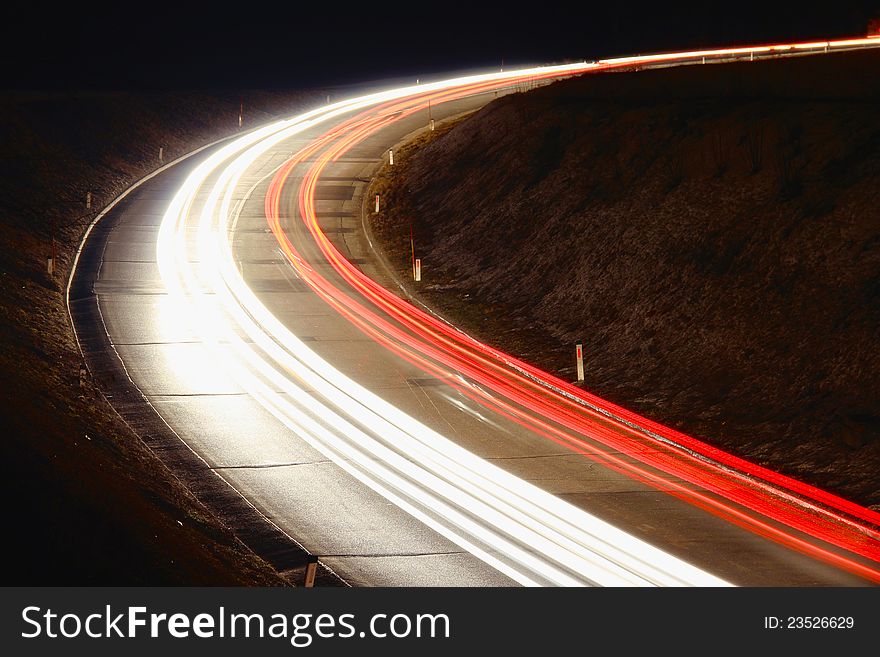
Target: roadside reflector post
[[390, 156], [579, 352], [704, 60], [377, 203], [418, 270], [88, 200], [311, 571], [50, 266], [161, 154], [752, 56], [432, 125], [412, 248], [240, 112]]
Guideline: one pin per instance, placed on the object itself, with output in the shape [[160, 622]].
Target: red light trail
[[768, 503]]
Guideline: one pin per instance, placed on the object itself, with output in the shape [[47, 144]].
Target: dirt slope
[[711, 233]]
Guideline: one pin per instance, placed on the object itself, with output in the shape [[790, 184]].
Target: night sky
[[289, 45]]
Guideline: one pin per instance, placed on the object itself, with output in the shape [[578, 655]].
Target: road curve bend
[[249, 309]]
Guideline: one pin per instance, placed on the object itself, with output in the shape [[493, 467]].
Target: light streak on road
[[526, 533]]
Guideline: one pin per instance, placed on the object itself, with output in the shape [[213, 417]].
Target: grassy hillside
[[711, 233]]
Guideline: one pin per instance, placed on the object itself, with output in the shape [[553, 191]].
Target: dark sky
[[292, 44]]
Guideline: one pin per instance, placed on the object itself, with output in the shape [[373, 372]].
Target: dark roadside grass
[[711, 234], [85, 501]]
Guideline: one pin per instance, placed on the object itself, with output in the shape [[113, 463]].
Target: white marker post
[[418, 271], [88, 200], [377, 204], [390, 157], [161, 154], [579, 351], [311, 571], [50, 266]]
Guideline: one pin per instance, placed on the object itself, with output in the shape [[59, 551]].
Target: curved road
[[529, 486]]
